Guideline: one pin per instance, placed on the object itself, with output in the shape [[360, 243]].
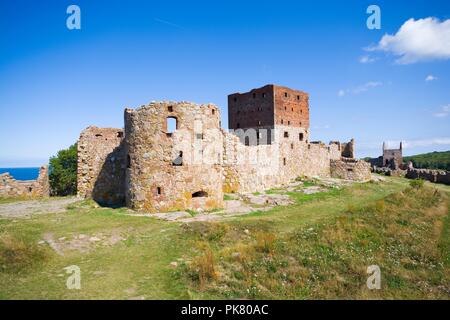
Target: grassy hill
[[318, 247], [432, 160]]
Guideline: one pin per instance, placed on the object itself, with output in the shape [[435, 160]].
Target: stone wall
[[12, 188], [159, 166], [191, 166], [258, 167], [173, 170], [350, 169], [437, 176], [101, 165], [392, 158]]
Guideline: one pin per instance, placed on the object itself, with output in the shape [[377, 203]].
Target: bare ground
[[26, 209]]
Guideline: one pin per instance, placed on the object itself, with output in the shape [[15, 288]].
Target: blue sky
[[54, 82]]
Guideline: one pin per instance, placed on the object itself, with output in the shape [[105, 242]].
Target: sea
[[22, 173]]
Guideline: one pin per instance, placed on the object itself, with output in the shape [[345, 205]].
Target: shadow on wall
[[109, 188]]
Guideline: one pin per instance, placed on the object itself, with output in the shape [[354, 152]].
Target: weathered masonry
[[10, 187], [175, 155]]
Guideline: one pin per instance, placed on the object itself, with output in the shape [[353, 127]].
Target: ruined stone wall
[[437, 176], [348, 149], [41, 188], [261, 167], [392, 158], [350, 169], [159, 168], [12, 188], [174, 170], [101, 165]]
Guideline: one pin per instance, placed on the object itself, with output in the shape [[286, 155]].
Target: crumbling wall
[[348, 149], [101, 165], [350, 169], [155, 168], [258, 167], [174, 170], [437, 176], [12, 188]]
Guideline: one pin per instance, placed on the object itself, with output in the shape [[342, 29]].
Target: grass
[[319, 247], [401, 232], [15, 199]]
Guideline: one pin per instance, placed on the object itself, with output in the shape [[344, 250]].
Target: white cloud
[[430, 78], [418, 40], [360, 89], [426, 142], [366, 59], [366, 86], [407, 144], [444, 112]]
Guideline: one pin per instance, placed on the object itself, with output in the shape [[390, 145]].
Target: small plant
[[227, 197], [265, 242], [203, 268], [192, 212], [417, 183]]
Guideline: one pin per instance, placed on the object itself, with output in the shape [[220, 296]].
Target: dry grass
[[202, 268], [17, 255], [400, 233], [265, 242]]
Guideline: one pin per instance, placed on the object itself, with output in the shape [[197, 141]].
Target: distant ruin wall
[[437, 176], [101, 165], [12, 188]]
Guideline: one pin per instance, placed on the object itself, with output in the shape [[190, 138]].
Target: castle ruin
[[175, 155], [393, 158], [12, 188]]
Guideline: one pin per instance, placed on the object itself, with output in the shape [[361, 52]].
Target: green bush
[[417, 183], [63, 172]]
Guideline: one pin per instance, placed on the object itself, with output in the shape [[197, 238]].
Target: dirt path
[[26, 209]]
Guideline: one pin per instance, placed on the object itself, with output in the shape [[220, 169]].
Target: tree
[[63, 172]]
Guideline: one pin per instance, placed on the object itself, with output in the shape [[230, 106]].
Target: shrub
[[265, 242], [63, 172], [417, 183], [202, 267]]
